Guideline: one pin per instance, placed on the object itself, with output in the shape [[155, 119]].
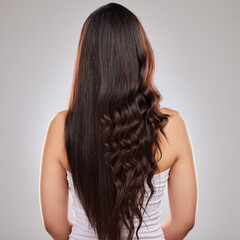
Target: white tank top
[[150, 230]]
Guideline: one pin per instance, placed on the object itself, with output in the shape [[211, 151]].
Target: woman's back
[[169, 154], [176, 167], [151, 227]]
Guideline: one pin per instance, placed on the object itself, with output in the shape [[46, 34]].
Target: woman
[[107, 146]]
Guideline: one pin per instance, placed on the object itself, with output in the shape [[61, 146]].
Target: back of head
[[113, 120]]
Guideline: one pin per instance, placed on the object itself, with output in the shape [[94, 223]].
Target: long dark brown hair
[[113, 121]]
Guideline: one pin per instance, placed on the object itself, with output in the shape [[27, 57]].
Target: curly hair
[[113, 121]]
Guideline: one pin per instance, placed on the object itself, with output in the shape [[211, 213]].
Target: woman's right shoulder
[[176, 132], [175, 121], [182, 184], [169, 111]]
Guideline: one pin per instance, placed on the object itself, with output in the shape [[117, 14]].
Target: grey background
[[196, 45]]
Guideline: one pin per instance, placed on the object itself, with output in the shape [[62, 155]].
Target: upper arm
[[182, 183], [53, 183]]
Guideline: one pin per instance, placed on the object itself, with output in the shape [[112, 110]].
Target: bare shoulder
[[176, 122], [59, 117], [169, 111], [56, 130], [176, 131], [56, 124], [182, 183]]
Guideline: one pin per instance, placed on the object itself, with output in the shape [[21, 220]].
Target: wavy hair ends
[[113, 121]]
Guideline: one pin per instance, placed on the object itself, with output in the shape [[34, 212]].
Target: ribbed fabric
[[151, 225]]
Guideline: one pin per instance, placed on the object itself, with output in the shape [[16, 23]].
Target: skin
[[182, 183], [177, 153], [53, 183]]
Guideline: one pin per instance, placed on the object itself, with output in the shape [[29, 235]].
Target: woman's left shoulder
[[56, 132]]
